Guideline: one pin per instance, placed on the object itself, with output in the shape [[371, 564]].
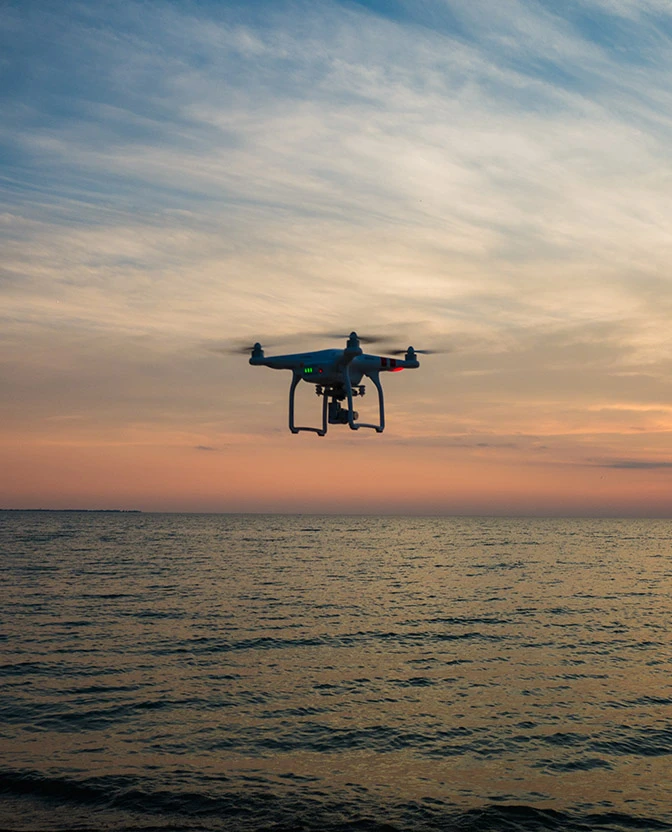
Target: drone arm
[[296, 378], [374, 376]]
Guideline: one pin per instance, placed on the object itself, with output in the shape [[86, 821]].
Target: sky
[[488, 178]]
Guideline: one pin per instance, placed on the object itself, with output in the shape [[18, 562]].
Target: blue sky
[[491, 177]]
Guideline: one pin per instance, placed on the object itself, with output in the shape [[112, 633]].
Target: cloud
[[496, 176], [637, 464], [287, 139]]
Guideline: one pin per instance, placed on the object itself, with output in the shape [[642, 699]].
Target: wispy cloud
[[638, 464], [498, 173], [354, 150]]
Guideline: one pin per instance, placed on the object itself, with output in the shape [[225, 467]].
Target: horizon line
[[475, 515]]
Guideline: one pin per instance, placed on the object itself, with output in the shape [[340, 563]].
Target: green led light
[[307, 369]]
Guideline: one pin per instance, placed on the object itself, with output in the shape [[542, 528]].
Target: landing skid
[[294, 429], [332, 412]]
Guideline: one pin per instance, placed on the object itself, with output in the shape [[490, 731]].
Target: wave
[[205, 645], [117, 803]]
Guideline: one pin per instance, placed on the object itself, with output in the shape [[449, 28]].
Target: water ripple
[[277, 673]]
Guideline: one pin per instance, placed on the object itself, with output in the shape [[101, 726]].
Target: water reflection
[[461, 661]]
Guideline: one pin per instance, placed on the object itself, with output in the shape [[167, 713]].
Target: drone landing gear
[[333, 412], [350, 392], [296, 378]]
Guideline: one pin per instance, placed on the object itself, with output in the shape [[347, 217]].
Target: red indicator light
[[397, 369]]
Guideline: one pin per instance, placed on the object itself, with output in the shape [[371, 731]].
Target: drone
[[337, 376]]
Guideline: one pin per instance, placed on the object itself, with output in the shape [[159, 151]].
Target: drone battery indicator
[[311, 370]]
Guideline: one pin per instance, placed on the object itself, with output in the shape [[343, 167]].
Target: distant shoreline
[[361, 515], [80, 510]]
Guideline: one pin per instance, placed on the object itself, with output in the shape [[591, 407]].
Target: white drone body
[[337, 375]]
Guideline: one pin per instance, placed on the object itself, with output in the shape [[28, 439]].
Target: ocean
[[249, 672]]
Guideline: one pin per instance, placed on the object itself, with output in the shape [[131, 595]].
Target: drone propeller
[[233, 350], [364, 339], [237, 348], [244, 346], [297, 337], [419, 352]]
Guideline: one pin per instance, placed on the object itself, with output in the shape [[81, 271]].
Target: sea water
[[242, 672]]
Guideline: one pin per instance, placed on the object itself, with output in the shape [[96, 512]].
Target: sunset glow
[[490, 180]]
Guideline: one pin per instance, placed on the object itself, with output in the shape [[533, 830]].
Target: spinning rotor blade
[[238, 350], [235, 348], [241, 350], [418, 352], [244, 346], [341, 336]]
